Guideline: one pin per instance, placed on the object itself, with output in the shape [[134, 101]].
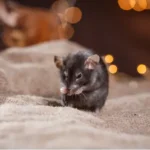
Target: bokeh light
[[148, 4], [113, 69], [109, 58], [141, 69], [73, 15], [142, 3], [126, 4], [139, 7], [60, 6]]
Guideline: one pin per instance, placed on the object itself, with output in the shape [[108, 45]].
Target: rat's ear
[[92, 61], [58, 61]]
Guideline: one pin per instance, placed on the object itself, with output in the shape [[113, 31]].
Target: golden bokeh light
[[148, 4], [138, 7], [73, 15], [109, 58], [142, 4], [141, 69], [112, 69], [126, 4]]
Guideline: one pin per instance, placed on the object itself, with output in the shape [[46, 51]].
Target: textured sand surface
[[29, 82]]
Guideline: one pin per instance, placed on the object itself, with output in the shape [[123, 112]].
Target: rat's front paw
[[63, 90]]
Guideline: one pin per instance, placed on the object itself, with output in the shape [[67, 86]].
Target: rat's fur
[[92, 88]]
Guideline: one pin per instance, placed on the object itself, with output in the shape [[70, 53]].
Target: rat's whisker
[[84, 96]]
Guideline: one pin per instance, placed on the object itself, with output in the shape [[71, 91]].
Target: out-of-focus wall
[[107, 29]]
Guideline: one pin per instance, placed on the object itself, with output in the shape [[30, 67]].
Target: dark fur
[[95, 81]]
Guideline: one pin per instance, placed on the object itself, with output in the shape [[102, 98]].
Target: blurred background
[[117, 29]]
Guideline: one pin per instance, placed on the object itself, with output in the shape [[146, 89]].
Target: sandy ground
[[29, 81]]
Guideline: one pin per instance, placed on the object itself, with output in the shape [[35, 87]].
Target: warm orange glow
[[126, 4], [67, 31], [109, 58], [141, 69], [137, 7], [73, 15], [142, 4], [112, 69], [148, 4]]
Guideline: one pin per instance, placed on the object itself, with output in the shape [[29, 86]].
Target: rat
[[84, 80]]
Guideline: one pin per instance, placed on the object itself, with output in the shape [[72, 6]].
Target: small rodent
[[84, 80]]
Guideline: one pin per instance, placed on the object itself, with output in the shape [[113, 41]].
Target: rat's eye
[[79, 75]]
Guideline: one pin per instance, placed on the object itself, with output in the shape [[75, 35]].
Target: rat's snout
[[72, 90]]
